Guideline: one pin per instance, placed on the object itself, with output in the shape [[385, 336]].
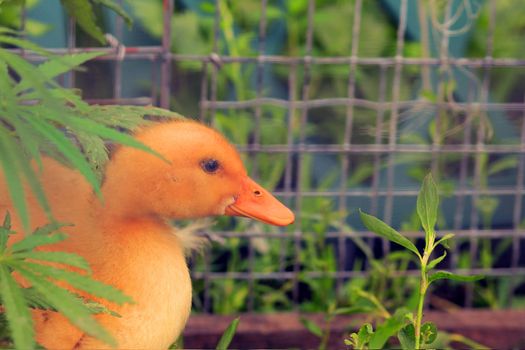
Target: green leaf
[[66, 147], [228, 334], [360, 339], [54, 67], [82, 12], [36, 300], [407, 337], [444, 240], [50, 228], [427, 204], [428, 333], [14, 183], [433, 263], [58, 257], [67, 304], [440, 275], [82, 282], [389, 328], [5, 231], [312, 327], [33, 241], [365, 333], [382, 229], [16, 310], [119, 10], [111, 134]]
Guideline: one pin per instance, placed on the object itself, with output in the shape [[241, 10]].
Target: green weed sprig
[[414, 334]]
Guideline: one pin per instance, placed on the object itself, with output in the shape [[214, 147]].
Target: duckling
[[125, 236]]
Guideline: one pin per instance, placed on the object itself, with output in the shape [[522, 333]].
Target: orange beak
[[255, 202]]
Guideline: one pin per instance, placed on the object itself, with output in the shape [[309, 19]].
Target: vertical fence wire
[[347, 138], [305, 91], [165, 68], [394, 117], [480, 145], [257, 137]]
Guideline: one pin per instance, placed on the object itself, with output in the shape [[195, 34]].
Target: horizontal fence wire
[[383, 145]]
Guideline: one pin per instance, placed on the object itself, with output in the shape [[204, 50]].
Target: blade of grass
[[228, 334]]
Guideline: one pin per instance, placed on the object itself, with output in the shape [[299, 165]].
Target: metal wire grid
[[387, 114]]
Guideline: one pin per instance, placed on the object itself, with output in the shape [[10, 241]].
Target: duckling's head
[[201, 175]]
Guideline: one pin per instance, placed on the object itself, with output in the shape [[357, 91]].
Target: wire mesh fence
[[334, 133]]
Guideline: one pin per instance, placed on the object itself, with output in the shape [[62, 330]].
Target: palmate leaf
[[59, 65], [81, 282], [5, 231], [36, 300], [82, 12], [32, 241], [128, 117], [57, 257], [15, 164], [68, 149], [16, 310], [11, 177], [65, 303], [26, 71]]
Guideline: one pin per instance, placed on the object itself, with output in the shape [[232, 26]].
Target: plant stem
[[421, 302], [423, 286]]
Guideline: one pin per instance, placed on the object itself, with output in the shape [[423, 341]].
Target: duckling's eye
[[210, 165]]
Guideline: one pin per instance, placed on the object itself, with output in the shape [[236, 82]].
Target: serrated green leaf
[[27, 71], [82, 12], [5, 231], [427, 204], [12, 178], [6, 225], [375, 225], [70, 152], [228, 334], [33, 241], [433, 263], [16, 310], [36, 300], [24, 44], [20, 162], [440, 275], [67, 304], [70, 259], [110, 134], [50, 228], [56, 66], [82, 282], [407, 337], [428, 333]]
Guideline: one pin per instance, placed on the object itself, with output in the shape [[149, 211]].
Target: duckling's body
[[125, 237]]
